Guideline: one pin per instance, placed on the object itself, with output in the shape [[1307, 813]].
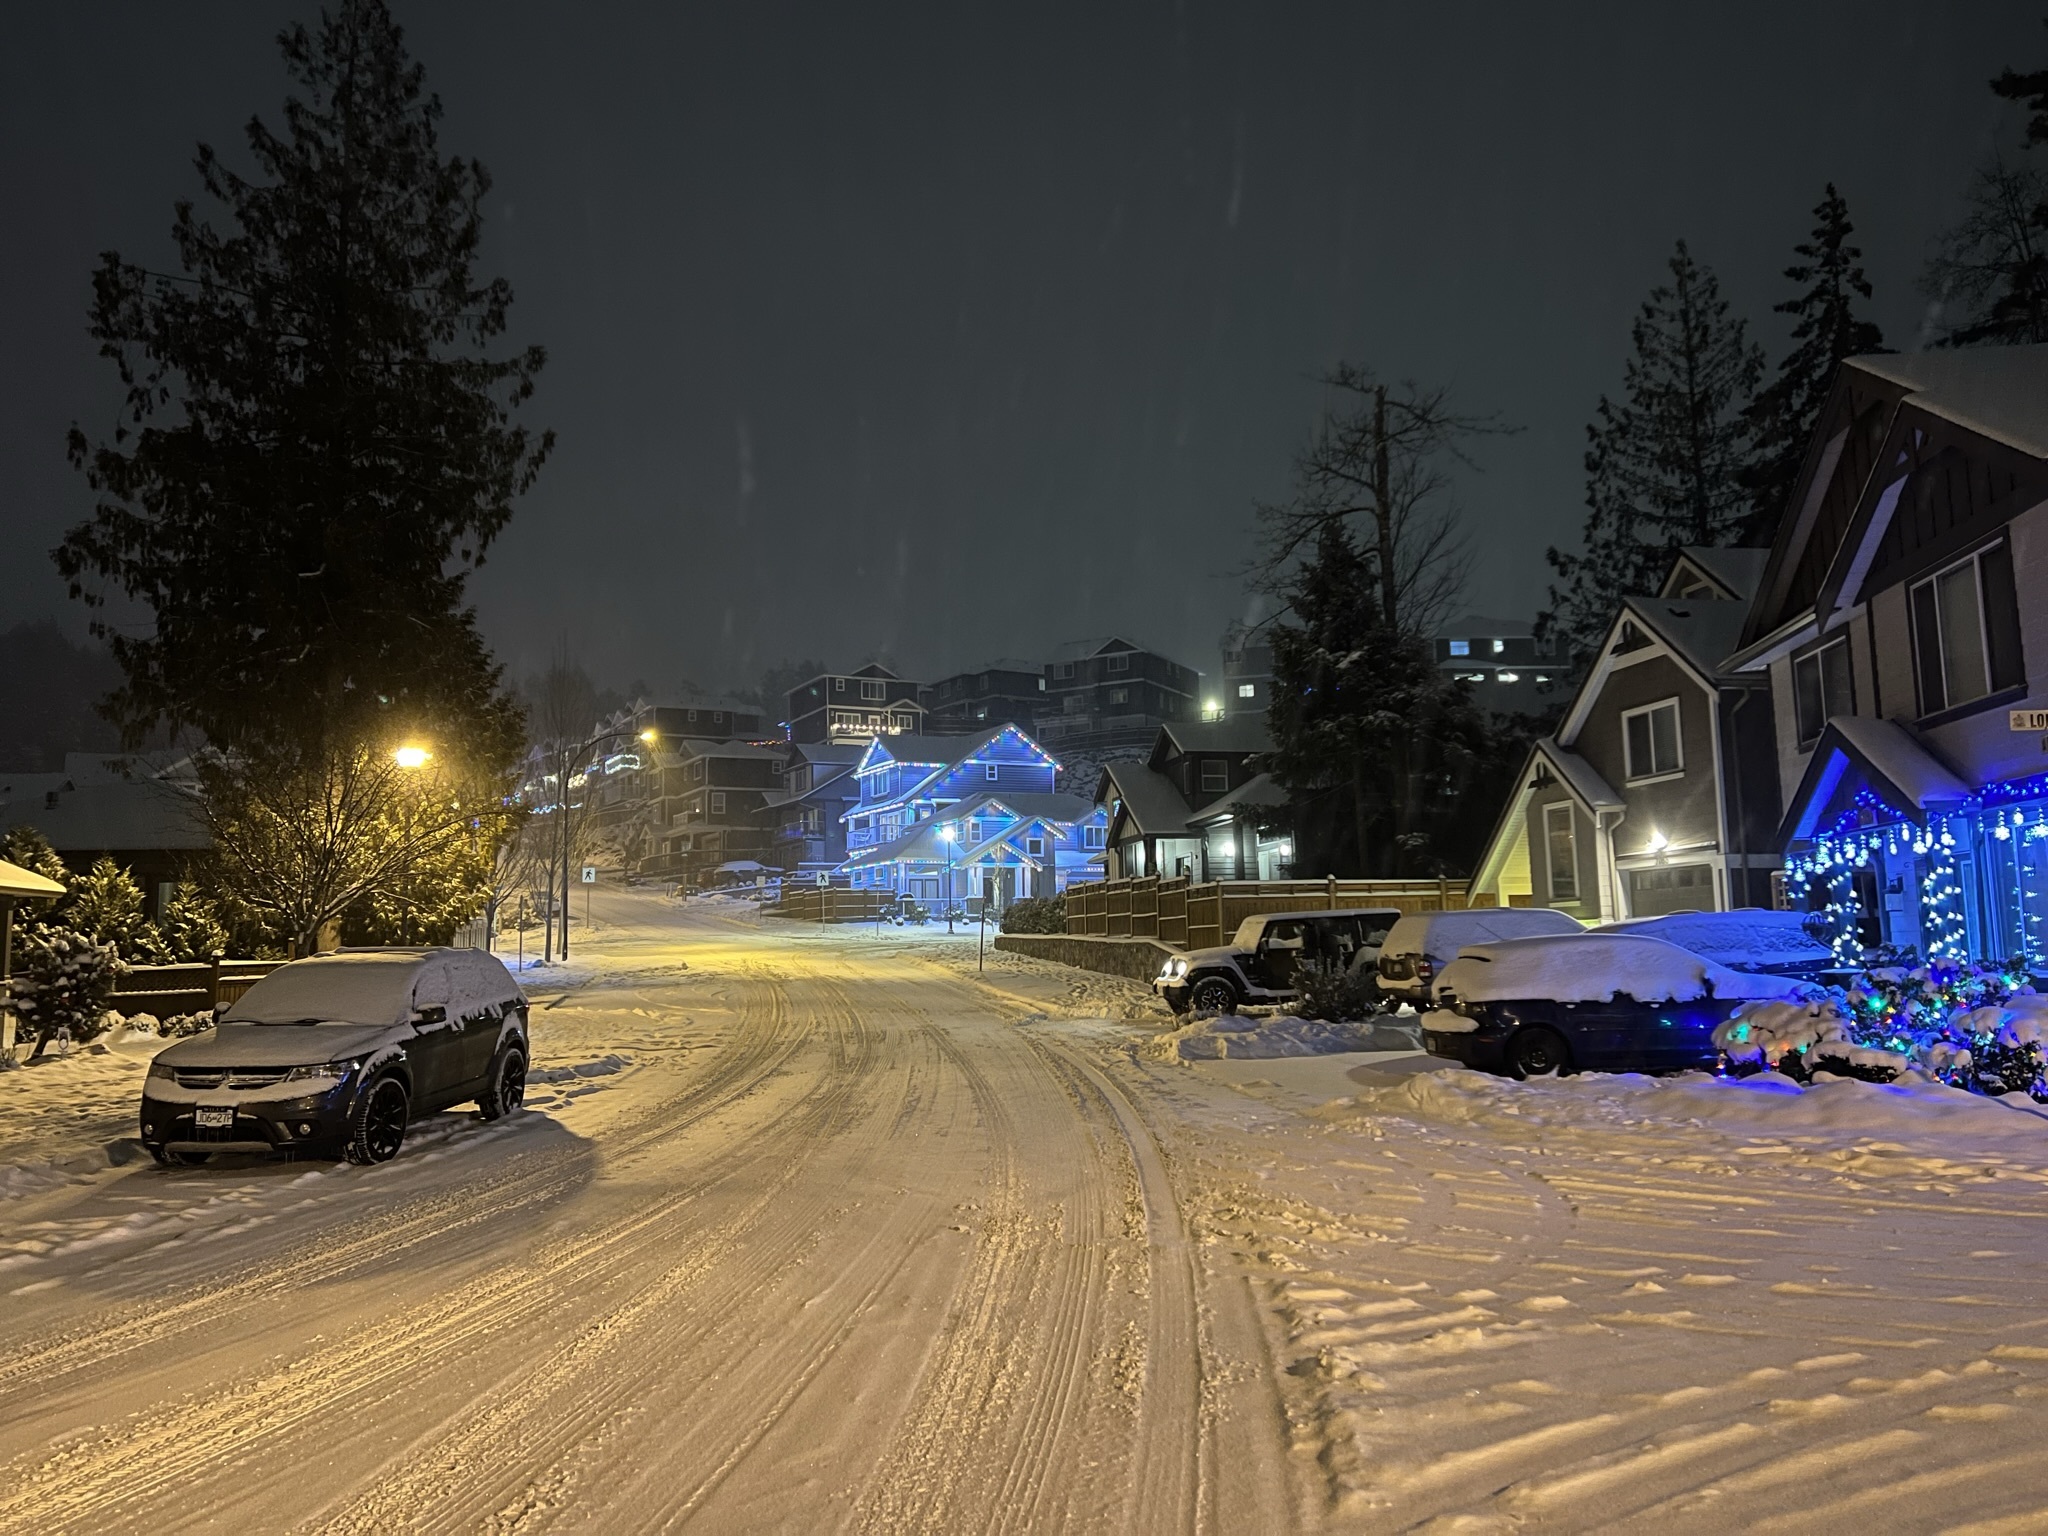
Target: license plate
[[214, 1119]]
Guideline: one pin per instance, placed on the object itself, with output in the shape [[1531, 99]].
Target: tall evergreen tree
[[317, 444], [1827, 329], [1664, 465]]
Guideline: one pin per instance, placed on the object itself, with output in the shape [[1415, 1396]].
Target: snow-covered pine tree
[[106, 906], [190, 927], [1664, 464], [1829, 274]]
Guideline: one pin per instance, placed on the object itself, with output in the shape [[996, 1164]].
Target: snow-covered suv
[[337, 1053], [1425, 942], [1258, 965]]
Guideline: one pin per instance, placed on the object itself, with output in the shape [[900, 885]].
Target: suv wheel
[[1539, 1053], [1213, 994], [376, 1128], [506, 1089]]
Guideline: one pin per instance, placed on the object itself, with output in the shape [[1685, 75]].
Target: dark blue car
[[1600, 1002]]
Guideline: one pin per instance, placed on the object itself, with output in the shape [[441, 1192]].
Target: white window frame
[[1656, 775], [1221, 769], [988, 771], [873, 691], [1120, 661], [718, 802], [1571, 832]]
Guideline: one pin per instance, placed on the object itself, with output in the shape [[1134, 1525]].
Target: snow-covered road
[[822, 1229]]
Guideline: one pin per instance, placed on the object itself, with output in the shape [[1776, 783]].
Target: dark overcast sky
[[952, 333]]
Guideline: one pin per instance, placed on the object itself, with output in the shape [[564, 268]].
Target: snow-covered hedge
[[62, 986]]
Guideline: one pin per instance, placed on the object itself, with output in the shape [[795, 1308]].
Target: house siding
[[1683, 809]]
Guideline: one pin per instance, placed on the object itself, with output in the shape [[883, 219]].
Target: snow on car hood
[[280, 1045], [1595, 968]]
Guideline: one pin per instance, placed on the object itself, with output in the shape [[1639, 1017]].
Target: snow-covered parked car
[[1747, 939], [1594, 1001], [1259, 964], [338, 1053], [1423, 943]]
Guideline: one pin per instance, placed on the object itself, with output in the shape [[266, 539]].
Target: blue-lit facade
[[943, 819]]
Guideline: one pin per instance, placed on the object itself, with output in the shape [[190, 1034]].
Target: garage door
[[1670, 888]]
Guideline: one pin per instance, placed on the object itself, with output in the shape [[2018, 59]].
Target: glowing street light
[[411, 757], [648, 736]]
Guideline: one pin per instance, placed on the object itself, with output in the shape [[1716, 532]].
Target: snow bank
[[1236, 1036], [1910, 1125], [1597, 967]]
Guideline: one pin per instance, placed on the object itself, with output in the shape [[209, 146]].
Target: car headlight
[[326, 1072], [163, 1069]]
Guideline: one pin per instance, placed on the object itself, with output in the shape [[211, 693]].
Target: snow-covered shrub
[[63, 985], [106, 906], [1332, 993], [1036, 914], [178, 1025]]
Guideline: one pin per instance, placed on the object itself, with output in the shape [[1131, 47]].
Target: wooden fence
[[830, 904], [166, 990], [1197, 916]]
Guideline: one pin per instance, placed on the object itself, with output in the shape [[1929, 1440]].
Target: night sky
[[950, 334]]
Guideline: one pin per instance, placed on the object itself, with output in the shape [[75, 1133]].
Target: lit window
[[1560, 852], [1966, 631], [1821, 688], [1461, 647], [1507, 677], [1247, 690], [1651, 737], [1499, 646]]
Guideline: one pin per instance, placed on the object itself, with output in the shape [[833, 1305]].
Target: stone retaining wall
[[1139, 959]]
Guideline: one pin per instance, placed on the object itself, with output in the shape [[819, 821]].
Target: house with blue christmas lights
[[945, 819], [1905, 635]]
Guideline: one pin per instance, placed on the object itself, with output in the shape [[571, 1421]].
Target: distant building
[[855, 706], [720, 789], [1247, 671], [945, 819], [1107, 698], [805, 818], [1183, 810], [1000, 693], [138, 809], [1511, 672]]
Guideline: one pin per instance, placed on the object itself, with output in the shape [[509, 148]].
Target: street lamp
[[946, 836], [411, 757]]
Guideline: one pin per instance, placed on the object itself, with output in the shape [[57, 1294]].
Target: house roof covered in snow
[[1245, 733], [1741, 571], [105, 817], [2001, 392], [1259, 790], [1891, 761], [1152, 803], [1703, 631]]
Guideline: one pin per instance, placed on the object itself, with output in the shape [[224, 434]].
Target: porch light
[[1658, 842]]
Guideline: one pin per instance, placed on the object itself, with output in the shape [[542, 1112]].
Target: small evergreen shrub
[[63, 986], [1036, 914], [1335, 995]]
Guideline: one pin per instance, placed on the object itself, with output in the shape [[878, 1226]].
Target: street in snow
[[811, 1227]]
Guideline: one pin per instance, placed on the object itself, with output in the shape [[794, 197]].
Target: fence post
[[213, 981], [1330, 892]]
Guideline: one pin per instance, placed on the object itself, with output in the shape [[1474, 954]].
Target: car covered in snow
[[336, 1054], [1604, 1002], [1260, 962], [1423, 943], [1747, 939]]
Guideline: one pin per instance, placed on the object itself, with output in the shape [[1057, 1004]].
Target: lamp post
[[568, 764], [946, 836]]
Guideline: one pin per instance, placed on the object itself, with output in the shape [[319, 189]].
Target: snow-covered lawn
[[1683, 1301]]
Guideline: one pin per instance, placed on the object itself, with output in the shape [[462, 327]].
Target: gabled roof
[[1065, 809], [1737, 572], [1890, 760], [1081, 650], [745, 751], [1245, 734], [1697, 633], [2000, 392], [1259, 790], [1152, 802], [909, 747], [1576, 774], [838, 779]]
